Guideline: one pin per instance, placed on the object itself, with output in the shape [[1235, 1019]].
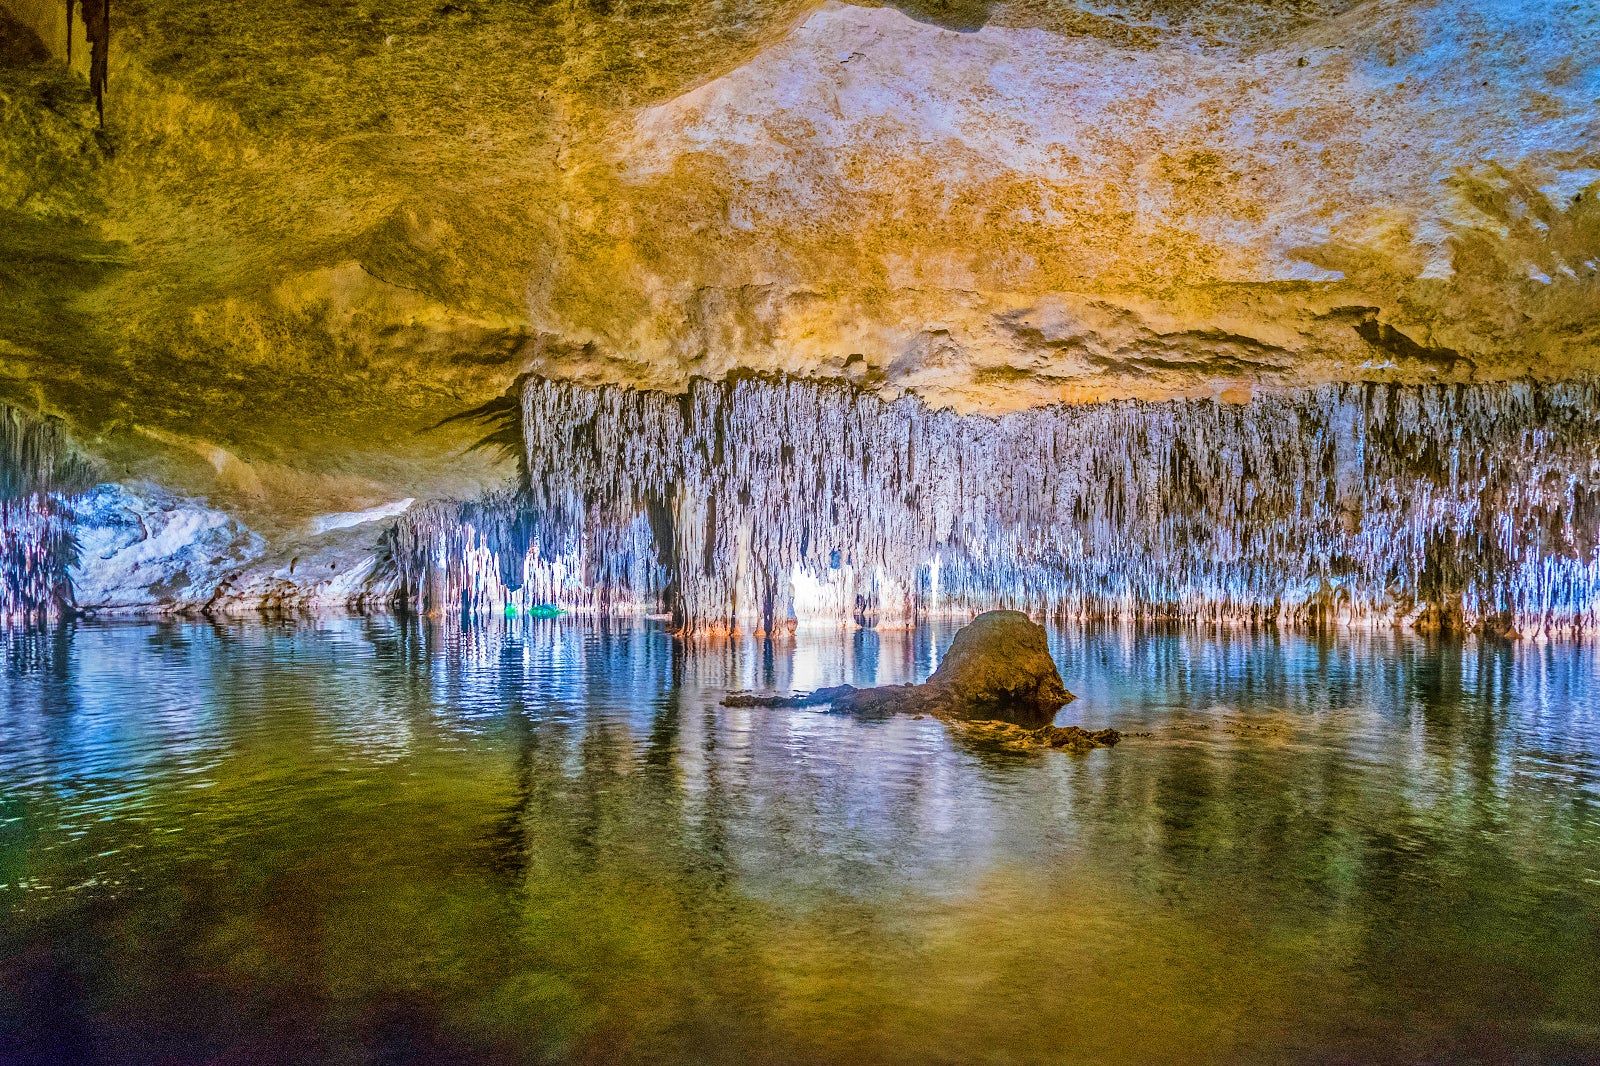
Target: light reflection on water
[[365, 840]]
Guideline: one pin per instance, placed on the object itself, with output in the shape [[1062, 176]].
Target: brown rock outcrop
[[997, 683]]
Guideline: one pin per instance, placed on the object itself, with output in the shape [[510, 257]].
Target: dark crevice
[[1388, 339]]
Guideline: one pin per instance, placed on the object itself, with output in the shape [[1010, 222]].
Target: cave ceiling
[[308, 230]]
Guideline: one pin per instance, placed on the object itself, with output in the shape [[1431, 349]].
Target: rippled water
[[363, 840]]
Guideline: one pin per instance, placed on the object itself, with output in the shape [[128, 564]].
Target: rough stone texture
[[997, 673], [1007, 736], [359, 220], [1000, 662], [308, 232], [144, 550], [140, 549], [1021, 213]]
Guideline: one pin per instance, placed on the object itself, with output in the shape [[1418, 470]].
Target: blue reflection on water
[[1404, 833]]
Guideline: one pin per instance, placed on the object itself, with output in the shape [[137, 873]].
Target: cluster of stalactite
[[37, 466], [498, 552], [754, 502]]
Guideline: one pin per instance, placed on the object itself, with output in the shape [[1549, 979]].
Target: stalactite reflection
[[557, 824]]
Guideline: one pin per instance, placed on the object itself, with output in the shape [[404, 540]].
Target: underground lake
[[379, 840], [799, 532]]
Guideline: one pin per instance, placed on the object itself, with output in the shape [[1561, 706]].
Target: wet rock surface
[[997, 685], [1001, 664], [1008, 736]]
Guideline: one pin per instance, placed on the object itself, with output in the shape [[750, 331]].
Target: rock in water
[[998, 672], [999, 666], [819, 698], [1009, 737]]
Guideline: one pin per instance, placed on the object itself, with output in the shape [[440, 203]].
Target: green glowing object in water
[[545, 610]]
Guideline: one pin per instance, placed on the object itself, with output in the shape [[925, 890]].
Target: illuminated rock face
[[306, 233], [1017, 215], [760, 503], [362, 220], [1001, 663]]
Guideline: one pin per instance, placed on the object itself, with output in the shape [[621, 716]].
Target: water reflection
[[363, 839]]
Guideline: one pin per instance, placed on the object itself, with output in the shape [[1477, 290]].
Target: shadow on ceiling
[[963, 16]]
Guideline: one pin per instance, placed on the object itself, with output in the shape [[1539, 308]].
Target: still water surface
[[373, 841]]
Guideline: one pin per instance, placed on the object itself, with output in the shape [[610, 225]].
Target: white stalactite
[[758, 503], [37, 466]]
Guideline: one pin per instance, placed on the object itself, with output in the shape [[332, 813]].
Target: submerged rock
[[1013, 737], [996, 683], [822, 697]]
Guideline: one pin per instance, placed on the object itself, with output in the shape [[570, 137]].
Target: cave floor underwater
[[380, 840]]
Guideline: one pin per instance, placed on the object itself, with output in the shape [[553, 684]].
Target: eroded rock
[[1010, 737], [1001, 664], [997, 684]]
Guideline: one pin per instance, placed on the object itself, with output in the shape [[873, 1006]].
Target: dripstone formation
[[760, 503], [37, 466]]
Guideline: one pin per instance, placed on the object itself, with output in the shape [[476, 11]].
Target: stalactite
[[757, 502], [37, 466], [37, 457], [496, 553], [97, 28]]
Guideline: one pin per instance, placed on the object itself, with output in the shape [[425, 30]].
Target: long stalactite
[[761, 503], [96, 16]]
